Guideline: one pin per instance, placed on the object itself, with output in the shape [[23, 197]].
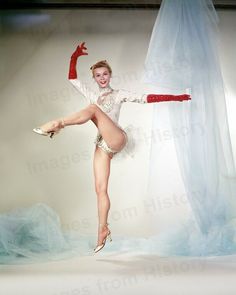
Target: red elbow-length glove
[[167, 97], [73, 60]]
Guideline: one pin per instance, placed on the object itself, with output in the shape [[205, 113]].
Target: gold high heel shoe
[[99, 247], [38, 130]]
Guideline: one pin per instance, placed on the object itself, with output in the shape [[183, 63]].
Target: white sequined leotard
[[109, 100]]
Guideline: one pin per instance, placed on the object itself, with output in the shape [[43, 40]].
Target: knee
[[101, 189], [93, 107]]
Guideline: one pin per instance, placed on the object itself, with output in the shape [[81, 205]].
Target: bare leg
[[101, 174], [111, 133]]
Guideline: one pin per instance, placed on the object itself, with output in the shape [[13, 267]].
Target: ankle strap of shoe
[[103, 224], [62, 123]]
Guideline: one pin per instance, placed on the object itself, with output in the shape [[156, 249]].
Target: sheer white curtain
[[183, 54]]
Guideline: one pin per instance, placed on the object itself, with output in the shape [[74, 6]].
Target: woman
[[103, 111]]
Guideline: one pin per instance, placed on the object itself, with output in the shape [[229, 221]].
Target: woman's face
[[102, 76]]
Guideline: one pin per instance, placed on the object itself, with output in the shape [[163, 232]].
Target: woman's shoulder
[[122, 93], [119, 94]]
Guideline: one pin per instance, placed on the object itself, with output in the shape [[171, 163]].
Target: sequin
[[106, 101], [100, 142]]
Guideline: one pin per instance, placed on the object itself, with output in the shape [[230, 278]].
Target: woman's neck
[[102, 90]]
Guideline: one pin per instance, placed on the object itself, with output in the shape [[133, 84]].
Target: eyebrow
[[103, 72]]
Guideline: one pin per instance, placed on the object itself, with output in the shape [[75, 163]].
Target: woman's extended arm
[[126, 95], [167, 97], [72, 75]]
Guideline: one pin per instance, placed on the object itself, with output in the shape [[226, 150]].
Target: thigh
[[112, 134], [101, 168]]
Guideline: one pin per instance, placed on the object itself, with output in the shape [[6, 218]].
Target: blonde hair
[[99, 64]]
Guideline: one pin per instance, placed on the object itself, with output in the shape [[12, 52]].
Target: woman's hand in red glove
[[79, 50], [73, 60]]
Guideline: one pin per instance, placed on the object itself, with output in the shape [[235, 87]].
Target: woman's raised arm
[[73, 60], [72, 75]]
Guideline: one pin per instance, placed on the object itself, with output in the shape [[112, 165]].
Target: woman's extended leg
[[110, 132], [101, 173]]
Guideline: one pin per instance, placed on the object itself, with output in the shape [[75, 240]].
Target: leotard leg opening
[[101, 143]]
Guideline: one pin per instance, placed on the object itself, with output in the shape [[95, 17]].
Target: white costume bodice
[[109, 100]]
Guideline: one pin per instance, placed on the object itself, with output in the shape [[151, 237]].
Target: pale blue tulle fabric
[[34, 233], [183, 53]]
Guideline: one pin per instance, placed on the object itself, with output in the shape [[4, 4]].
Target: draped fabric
[[34, 234], [183, 54]]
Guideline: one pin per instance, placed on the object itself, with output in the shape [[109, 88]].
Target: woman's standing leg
[[101, 174]]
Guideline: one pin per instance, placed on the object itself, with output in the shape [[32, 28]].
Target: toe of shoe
[[39, 131]]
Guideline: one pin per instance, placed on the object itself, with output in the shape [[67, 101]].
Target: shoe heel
[[52, 134]]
